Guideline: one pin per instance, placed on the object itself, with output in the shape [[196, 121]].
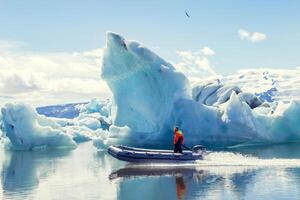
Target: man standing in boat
[[178, 140]]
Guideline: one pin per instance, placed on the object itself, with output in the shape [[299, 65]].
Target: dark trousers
[[177, 148]]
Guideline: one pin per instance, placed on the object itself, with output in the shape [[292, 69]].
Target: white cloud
[[203, 62], [256, 37], [50, 78], [17, 82], [243, 34], [186, 55], [195, 64], [7, 45], [253, 37], [207, 51]]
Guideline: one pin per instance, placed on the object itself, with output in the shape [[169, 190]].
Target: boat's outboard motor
[[199, 149]]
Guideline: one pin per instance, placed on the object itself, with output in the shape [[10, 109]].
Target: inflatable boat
[[131, 154]]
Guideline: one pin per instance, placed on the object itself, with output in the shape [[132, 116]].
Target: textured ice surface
[[144, 85], [268, 84], [150, 97], [27, 130], [214, 93]]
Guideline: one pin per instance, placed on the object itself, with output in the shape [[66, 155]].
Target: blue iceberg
[[150, 97]]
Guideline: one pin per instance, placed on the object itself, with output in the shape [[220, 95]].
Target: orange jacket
[[178, 134]]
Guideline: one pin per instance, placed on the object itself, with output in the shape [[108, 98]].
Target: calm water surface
[[85, 173]]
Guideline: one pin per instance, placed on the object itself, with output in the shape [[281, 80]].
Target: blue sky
[[81, 25], [48, 28]]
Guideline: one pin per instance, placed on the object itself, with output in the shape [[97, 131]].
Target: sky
[[50, 51]]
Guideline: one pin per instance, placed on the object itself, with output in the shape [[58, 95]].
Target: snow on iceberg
[[268, 84]]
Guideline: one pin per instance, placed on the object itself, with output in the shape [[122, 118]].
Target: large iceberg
[[151, 97], [144, 85]]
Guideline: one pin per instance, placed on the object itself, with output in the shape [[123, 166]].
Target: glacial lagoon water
[[265, 172]]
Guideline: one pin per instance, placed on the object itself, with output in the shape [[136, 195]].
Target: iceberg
[[144, 85], [215, 93], [28, 130], [151, 97]]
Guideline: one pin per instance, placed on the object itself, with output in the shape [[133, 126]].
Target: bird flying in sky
[[187, 14]]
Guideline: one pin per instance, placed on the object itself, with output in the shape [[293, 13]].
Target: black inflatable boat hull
[[131, 154]]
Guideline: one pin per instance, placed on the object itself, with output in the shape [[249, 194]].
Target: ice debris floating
[[28, 130], [150, 97]]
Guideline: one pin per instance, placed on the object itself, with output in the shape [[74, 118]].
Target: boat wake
[[223, 159]]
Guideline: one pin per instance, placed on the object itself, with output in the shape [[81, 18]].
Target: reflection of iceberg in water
[[24, 170], [223, 175], [54, 174]]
